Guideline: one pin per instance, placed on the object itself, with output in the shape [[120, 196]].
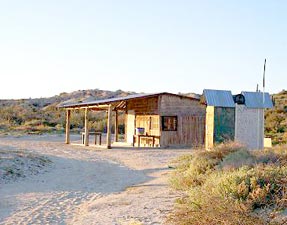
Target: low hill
[[42, 115]]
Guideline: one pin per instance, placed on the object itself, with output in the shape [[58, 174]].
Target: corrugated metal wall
[[249, 128]]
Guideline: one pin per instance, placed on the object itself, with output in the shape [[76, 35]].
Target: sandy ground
[[86, 185]]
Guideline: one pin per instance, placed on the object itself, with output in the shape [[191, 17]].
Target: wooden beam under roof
[[106, 107], [120, 106], [94, 107]]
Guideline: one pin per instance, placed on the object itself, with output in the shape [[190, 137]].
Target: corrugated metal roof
[[220, 98], [255, 100], [119, 99]]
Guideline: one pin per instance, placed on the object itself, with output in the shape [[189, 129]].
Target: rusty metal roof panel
[[257, 99], [219, 98]]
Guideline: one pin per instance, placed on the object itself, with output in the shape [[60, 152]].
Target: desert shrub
[[237, 159], [276, 119], [260, 186], [192, 169], [227, 148], [182, 162], [230, 186], [33, 122], [50, 123], [194, 175], [276, 155], [281, 129], [281, 150], [202, 207]]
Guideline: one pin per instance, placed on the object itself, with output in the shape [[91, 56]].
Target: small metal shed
[[249, 119], [220, 116], [230, 119]]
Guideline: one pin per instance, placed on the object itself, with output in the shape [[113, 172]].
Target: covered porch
[[141, 126], [96, 137]]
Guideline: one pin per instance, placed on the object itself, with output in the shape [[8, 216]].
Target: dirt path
[[85, 186]]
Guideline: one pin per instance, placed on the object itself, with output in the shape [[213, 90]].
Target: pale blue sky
[[53, 46]]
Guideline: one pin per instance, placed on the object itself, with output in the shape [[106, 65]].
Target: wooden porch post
[[86, 140], [116, 127], [109, 123], [68, 123]]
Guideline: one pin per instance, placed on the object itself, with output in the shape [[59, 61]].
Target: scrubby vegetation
[[276, 119], [36, 116], [231, 185]]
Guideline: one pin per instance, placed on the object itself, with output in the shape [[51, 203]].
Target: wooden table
[[97, 134], [139, 136]]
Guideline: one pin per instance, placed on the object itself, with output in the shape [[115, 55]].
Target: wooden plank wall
[[191, 121], [175, 105], [190, 132], [143, 106]]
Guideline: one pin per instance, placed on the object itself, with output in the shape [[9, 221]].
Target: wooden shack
[[220, 116], [151, 120]]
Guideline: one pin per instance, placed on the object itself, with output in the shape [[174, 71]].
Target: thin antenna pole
[[264, 80], [263, 133]]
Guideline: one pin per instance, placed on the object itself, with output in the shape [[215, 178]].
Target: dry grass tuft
[[231, 185]]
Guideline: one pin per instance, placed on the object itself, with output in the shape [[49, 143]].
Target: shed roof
[[220, 98], [118, 99], [255, 99]]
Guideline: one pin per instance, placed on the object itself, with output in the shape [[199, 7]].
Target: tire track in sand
[[50, 208]]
